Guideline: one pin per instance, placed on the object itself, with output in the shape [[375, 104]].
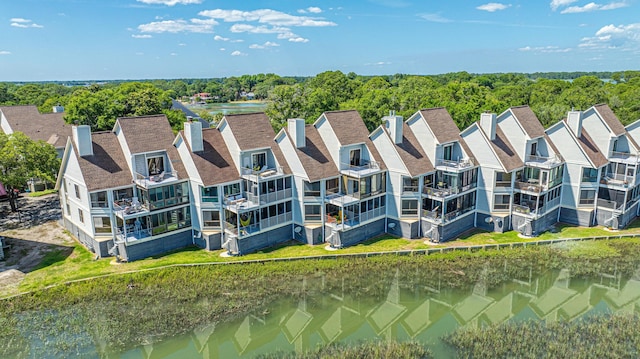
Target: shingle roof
[[590, 149], [348, 126], [412, 153], [315, 156], [214, 163], [49, 127], [441, 124], [507, 155], [151, 133], [528, 121], [610, 118], [253, 131], [107, 167], [177, 105]]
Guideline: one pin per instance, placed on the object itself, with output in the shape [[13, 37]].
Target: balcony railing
[[262, 174], [456, 165], [153, 180], [529, 186], [129, 206], [432, 215], [544, 162], [436, 216], [445, 191], [625, 157], [365, 167], [610, 204], [617, 179]]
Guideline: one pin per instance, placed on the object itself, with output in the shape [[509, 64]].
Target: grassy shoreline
[[147, 306]]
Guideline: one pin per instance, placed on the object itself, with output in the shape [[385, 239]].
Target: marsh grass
[[375, 349]]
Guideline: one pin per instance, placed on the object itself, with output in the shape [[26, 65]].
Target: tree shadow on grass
[[28, 256]]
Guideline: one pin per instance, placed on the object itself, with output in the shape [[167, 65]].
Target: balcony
[[455, 166], [155, 180], [612, 205], [624, 157], [364, 169], [443, 191], [265, 173], [530, 186], [130, 207], [241, 202], [543, 162], [615, 179], [130, 234], [437, 217]]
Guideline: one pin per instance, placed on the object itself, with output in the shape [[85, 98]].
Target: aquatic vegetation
[[376, 349], [615, 336]]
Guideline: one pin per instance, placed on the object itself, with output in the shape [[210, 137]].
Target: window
[[68, 209], [409, 184], [501, 202], [121, 194], [448, 152], [231, 189], [587, 196], [503, 179], [534, 149], [312, 213], [99, 200], [77, 189], [312, 189], [354, 158], [209, 194], [102, 224], [80, 215], [589, 175], [155, 165], [409, 208], [259, 161], [333, 185], [211, 218]]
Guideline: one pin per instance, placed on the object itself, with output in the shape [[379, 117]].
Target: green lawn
[[81, 264]]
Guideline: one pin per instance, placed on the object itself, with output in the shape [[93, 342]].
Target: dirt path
[[30, 236]]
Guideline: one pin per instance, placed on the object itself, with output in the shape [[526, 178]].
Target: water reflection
[[422, 312]]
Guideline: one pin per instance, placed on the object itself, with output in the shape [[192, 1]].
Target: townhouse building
[[47, 127], [521, 173]]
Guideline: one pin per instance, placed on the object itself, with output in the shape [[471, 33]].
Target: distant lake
[[228, 108]]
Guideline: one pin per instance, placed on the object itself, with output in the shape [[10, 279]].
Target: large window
[[166, 196], [231, 189], [123, 193], [209, 194], [170, 220], [312, 213], [259, 161], [155, 165], [333, 185], [409, 207], [102, 224], [501, 202], [211, 218], [99, 200], [587, 196], [503, 179], [448, 152], [312, 189], [410, 184], [354, 158], [589, 175]]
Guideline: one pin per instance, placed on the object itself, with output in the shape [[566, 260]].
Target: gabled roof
[[441, 124], [610, 119], [254, 131], [107, 167], [49, 127], [214, 163], [177, 105], [591, 150], [528, 120], [348, 126], [149, 134], [315, 157], [412, 154], [506, 154]]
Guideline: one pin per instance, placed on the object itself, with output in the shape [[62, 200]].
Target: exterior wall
[[579, 217], [125, 148], [598, 131], [424, 136], [100, 248], [537, 226], [448, 231], [232, 144], [262, 240], [4, 124], [509, 125], [355, 235], [496, 222], [289, 152], [629, 215], [210, 241], [608, 218], [144, 249], [73, 177], [388, 152], [310, 235], [329, 138], [404, 228]]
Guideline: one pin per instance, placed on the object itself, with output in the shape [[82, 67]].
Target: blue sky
[[144, 39]]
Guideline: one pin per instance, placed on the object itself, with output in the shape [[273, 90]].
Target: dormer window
[[155, 165], [447, 154], [534, 149], [354, 158]]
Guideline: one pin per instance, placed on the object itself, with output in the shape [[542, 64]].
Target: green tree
[[286, 101], [22, 159]]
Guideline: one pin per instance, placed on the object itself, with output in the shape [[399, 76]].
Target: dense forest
[[464, 95]]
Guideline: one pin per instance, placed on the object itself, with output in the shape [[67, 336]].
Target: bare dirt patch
[[30, 236]]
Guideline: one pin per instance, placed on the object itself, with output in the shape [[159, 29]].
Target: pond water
[[403, 312], [231, 107]]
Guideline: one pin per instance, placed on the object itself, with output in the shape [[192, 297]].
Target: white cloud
[[146, 36], [220, 38], [223, 49], [5, 52], [170, 2], [493, 6], [311, 9], [593, 7], [24, 23], [544, 49], [182, 44], [264, 46], [435, 18], [298, 39], [555, 4], [625, 37], [265, 16], [173, 54], [176, 26], [238, 53]]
